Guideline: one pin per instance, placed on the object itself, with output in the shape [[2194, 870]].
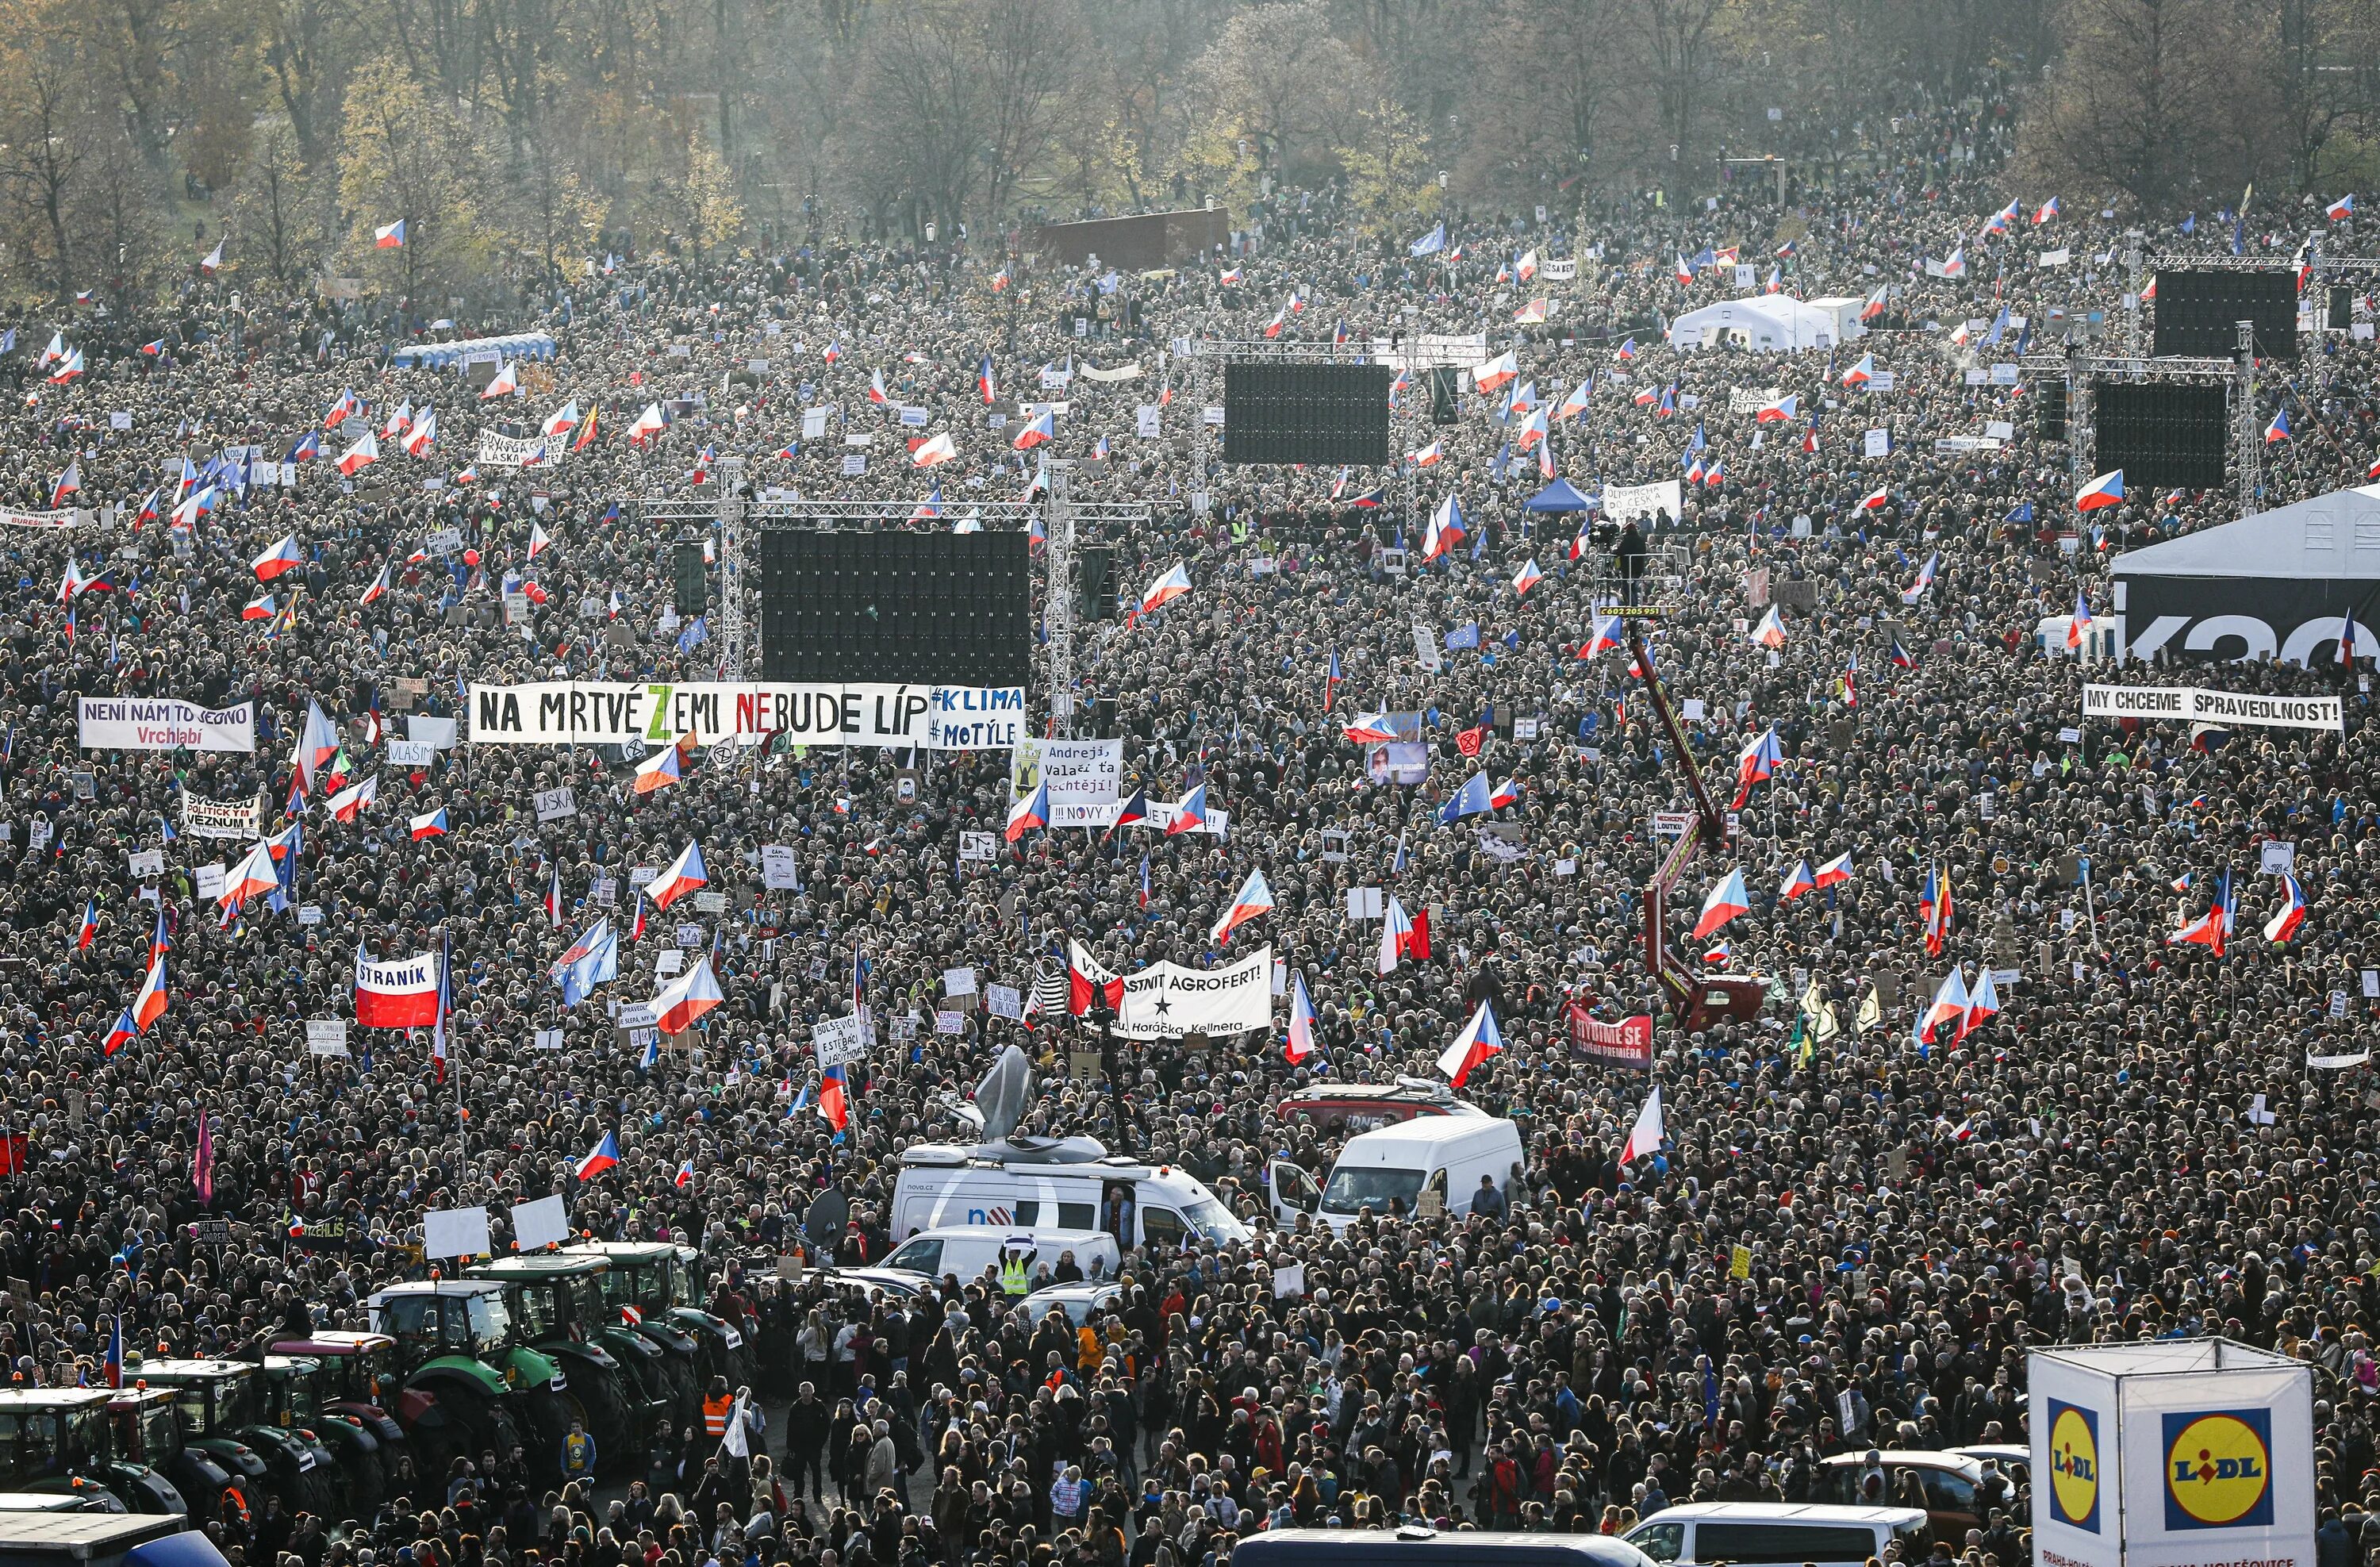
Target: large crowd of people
[[1848, 1238]]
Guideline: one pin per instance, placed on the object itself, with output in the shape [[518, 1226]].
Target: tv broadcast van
[[1057, 1184]]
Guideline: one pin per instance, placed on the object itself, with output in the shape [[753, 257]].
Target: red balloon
[[470, 557]]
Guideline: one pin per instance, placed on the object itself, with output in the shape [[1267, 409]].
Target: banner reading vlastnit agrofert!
[[589, 713]]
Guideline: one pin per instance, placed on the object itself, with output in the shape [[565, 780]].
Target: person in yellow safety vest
[[578, 1453], [1016, 1270], [717, 1405]]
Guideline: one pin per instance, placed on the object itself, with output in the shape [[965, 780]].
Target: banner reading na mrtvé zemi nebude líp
[[591, 713]]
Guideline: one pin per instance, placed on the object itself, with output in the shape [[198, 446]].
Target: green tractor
[[467, 1386], [623, 1379], [58, 1441], [295, 1396], [358, 1380], [223, 1403], [146, 1429], [655, 1279]]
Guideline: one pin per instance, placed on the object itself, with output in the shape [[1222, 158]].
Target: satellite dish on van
[[1004, 1092]]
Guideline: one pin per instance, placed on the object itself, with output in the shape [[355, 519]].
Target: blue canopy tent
[[1559, 497], [442, 356]]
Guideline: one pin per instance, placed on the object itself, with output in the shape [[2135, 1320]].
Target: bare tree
[[2127, 110]]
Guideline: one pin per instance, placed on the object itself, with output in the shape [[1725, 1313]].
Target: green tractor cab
[[619, 1379], [57, 1441], [295, 1396], [146, 1429], [656, 1280], [465, 1384], [222, 1403]]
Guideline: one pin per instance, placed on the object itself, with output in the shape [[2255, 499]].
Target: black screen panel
[[1310, 413], [953, 609], [2160, 433], [2199, 312]]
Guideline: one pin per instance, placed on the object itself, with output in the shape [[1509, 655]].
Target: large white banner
[[1624, 503], [1166, 1001], [2195, 704], [72, 516], [1086, 778], [159, 724], [512, 451], [589, 712]]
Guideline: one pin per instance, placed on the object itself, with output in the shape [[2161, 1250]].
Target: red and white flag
[[403, 994]]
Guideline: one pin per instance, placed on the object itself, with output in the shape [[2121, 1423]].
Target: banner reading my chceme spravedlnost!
[[591, 713], [2195, 704]]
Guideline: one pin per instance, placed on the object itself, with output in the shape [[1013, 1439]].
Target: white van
[[1389, 1170], [1058, 1184], [1759, 1534], [967, 1249]]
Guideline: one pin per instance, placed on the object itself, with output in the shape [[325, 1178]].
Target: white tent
[[1759, 321]]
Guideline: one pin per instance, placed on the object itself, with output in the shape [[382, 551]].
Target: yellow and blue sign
[[2075, 1465], [2218, 1469]]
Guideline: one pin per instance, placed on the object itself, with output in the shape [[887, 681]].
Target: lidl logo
[[2218, 1469], [2075, 1465]]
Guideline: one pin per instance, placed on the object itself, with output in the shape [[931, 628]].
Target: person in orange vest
[[717, 1405]]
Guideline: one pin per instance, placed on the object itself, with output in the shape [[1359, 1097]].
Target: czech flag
[[676, 1009], [278, 559], [422, 435], [2341, 208], [1950, 1006], [430, 826], [2047, 211], [259, 609], [1427, 457], [659, 771], [1402, 937], [254, 876], [1369, 729], [90, 927], [2107, 490], [1189, 812], [1879, 499], [1131, 813], [365, 452], [938, 450], [1798, 880], [1495, 372], [1166, 588], [389, 237], [1043, 428], [69, 483], [876, 388], [1770, 632], [2207, 931], [1254, 898], [1575, 403], [349, 802], [1301, 1021], [2292, 914], [983, 378], [834, 1100], [122, 1034], [1446, 525], [604, 1156], [68, 368], [2080, 621], [682, 874], [1508, 792], [1983, 1002], [1783, 411], [150, 1004], [1861, 373], [1645, 1137], [1478, 1041], [1837, 869], [1726, 901], [1607, 634], [1757, 763], [1028, 813]]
